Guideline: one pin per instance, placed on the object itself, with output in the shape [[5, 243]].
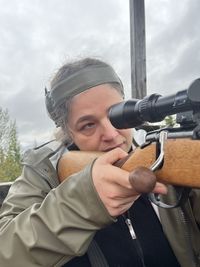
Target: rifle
[[173, 153]]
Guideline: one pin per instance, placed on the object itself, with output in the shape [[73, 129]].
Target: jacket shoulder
[[36, 155]]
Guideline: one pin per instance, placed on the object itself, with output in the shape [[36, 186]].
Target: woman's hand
[[117, 188]]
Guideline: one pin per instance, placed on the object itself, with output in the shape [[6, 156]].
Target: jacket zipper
[[130, 227], [136, 242], [187, 235]]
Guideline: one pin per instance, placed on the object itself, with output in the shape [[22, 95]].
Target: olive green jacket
[[44, 223]]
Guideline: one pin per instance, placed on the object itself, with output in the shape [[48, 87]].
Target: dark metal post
[[138, 48]]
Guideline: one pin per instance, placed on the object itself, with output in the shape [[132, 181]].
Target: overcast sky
[[37, 37]]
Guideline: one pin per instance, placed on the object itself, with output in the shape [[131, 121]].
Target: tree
[[170, 121], [10, 155], [4, 123]]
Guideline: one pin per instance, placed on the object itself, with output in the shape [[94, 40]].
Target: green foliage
[[10, 155], [170, 121]]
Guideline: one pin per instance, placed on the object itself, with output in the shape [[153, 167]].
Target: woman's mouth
[[113, 147]]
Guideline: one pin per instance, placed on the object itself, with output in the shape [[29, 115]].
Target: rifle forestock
[[181, 164]]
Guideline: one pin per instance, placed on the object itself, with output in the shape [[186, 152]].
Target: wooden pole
[[138, 48]]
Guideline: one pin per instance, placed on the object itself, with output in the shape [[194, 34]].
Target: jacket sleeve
[[182, 227], [43, 226], [195, 204]]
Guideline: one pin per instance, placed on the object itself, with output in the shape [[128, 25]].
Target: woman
[[94, 217]]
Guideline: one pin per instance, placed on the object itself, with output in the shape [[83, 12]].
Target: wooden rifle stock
[[181, 164]]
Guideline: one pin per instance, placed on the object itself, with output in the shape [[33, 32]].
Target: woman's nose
[[108, 130]]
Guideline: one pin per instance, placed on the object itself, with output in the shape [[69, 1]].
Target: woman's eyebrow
[[84, 118]]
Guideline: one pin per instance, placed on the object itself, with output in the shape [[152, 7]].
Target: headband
[[77, 83]]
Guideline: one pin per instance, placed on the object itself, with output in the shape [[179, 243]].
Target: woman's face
[[88, 122]]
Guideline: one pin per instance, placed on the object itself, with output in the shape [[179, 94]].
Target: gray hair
[[62, 111]]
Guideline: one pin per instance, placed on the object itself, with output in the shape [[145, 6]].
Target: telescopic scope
[[154, 108]]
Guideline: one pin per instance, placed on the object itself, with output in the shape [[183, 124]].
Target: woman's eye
[[88, 129], [88, 126]]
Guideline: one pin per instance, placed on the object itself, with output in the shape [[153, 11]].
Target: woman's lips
[[111, 148]]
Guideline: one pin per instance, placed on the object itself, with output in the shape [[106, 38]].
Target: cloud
[[37, 37], [172, 51]]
